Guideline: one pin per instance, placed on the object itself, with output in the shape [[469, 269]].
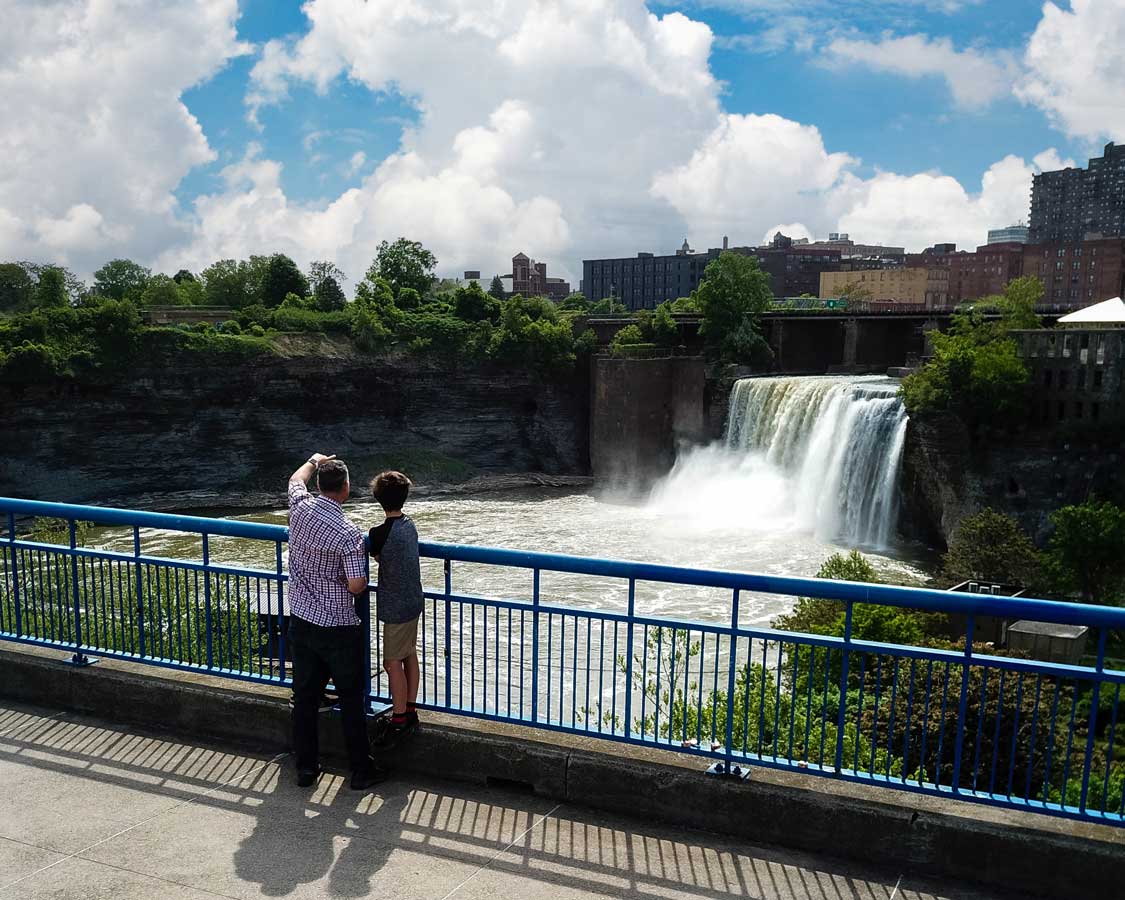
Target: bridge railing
[[960, 721]]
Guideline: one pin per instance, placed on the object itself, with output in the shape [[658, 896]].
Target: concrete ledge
[[997, 848]]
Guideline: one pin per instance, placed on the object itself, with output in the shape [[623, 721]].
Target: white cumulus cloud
[[1075, 68], [94, 136], [975, 77]]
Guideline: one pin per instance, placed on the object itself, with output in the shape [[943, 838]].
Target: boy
[[394, 544]]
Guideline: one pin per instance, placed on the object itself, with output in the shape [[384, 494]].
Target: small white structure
[[1107, 314]]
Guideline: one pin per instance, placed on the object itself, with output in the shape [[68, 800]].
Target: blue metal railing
[[964, 722]]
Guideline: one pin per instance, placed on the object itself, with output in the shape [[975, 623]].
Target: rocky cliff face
[[948, 476], [220, 429]]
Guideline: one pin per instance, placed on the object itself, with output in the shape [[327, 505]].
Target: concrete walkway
[[90, 810]]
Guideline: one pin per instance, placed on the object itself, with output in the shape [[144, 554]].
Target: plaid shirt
[[325, 550]]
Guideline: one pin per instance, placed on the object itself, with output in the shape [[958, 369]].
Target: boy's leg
[[396, 676], [410, 666]]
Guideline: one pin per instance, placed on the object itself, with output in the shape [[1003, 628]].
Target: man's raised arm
[[305, 472]]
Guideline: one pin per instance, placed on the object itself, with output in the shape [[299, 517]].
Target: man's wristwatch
[[312, 462]]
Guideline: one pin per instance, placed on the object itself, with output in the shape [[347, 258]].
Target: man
[[326, 640]]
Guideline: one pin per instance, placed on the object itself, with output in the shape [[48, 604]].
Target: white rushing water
[[807, 470], [820, 455]]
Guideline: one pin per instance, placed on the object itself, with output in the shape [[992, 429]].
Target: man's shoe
[[361, 781], [308, 777]]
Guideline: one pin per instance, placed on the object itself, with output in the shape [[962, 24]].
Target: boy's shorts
[[400, 640]]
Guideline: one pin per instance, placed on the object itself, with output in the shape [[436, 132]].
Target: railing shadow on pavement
[[296, 833], [965, 721]]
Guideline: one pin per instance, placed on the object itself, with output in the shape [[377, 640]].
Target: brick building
[[985, 272], [898, 284], [1077, 274], [529, 278], [1071, 204]]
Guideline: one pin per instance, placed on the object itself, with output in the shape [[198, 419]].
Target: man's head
[[332, 479], [391, 490]]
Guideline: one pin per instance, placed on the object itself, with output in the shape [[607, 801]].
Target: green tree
[[51, 292], [472, 304], [664, 329], [190, 290], [282, 277], [1018, 303], [991, 546], [324, 279], [183, 276], [629, 336], [815, 615], [575, 302], [17, 289], [406, 264], [121, 279], [161, 291], [731, 298], [1087, 549], [496, 288], [225, 284]]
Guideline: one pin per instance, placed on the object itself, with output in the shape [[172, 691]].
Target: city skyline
[[568, 129]]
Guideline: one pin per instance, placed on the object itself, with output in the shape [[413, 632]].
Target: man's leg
[[346, 662], [310, 675]]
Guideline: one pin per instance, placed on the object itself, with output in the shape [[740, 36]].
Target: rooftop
[[1108, 312]]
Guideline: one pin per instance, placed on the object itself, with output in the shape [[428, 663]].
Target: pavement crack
[[495, 856]]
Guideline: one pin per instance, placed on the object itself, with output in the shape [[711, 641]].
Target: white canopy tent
[[1107, 314]]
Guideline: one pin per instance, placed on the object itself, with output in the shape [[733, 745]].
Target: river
[[808, 467]]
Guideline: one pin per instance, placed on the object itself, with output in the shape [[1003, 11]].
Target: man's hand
[[306, 471]]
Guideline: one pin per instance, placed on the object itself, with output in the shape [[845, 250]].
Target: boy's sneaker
[[389, 730]]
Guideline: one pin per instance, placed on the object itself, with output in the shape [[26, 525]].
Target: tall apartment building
[[1070, 204]]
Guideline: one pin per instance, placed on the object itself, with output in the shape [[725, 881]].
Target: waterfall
[[840, 440], [819, 454]]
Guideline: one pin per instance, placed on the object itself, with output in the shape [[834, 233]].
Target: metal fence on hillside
[[964, 721]]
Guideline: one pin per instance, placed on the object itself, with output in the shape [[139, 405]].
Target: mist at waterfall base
[[722, 507], [818, 455]]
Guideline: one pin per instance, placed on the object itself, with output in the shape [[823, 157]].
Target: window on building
[[1064, 379], [1048, 377], [1058, 266], [1081, 385], [1095, 411], [1062, 410], [1066, 346], [1078, 410], [1100, 359], [1097, 378], [1050, 345]]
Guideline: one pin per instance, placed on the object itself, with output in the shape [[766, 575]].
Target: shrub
[[991, 546], [628, 336], [257, 330], [230, 326]]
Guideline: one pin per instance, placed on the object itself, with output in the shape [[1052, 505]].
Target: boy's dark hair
[[331, 475], [391, 490]]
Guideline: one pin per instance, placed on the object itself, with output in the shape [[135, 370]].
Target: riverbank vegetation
[[976, 371], [53, 326]]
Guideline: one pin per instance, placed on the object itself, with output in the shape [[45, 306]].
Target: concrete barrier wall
[[1001, 849]]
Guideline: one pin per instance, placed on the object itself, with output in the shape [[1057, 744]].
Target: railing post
[[963, 706], [731, 664], [363, 611], [842, 712], [79, 658], [15, 573], [207, 617], [535, 647], [629, 658], [1093, 722], [448, 570], [282, 638], [139, 599]]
